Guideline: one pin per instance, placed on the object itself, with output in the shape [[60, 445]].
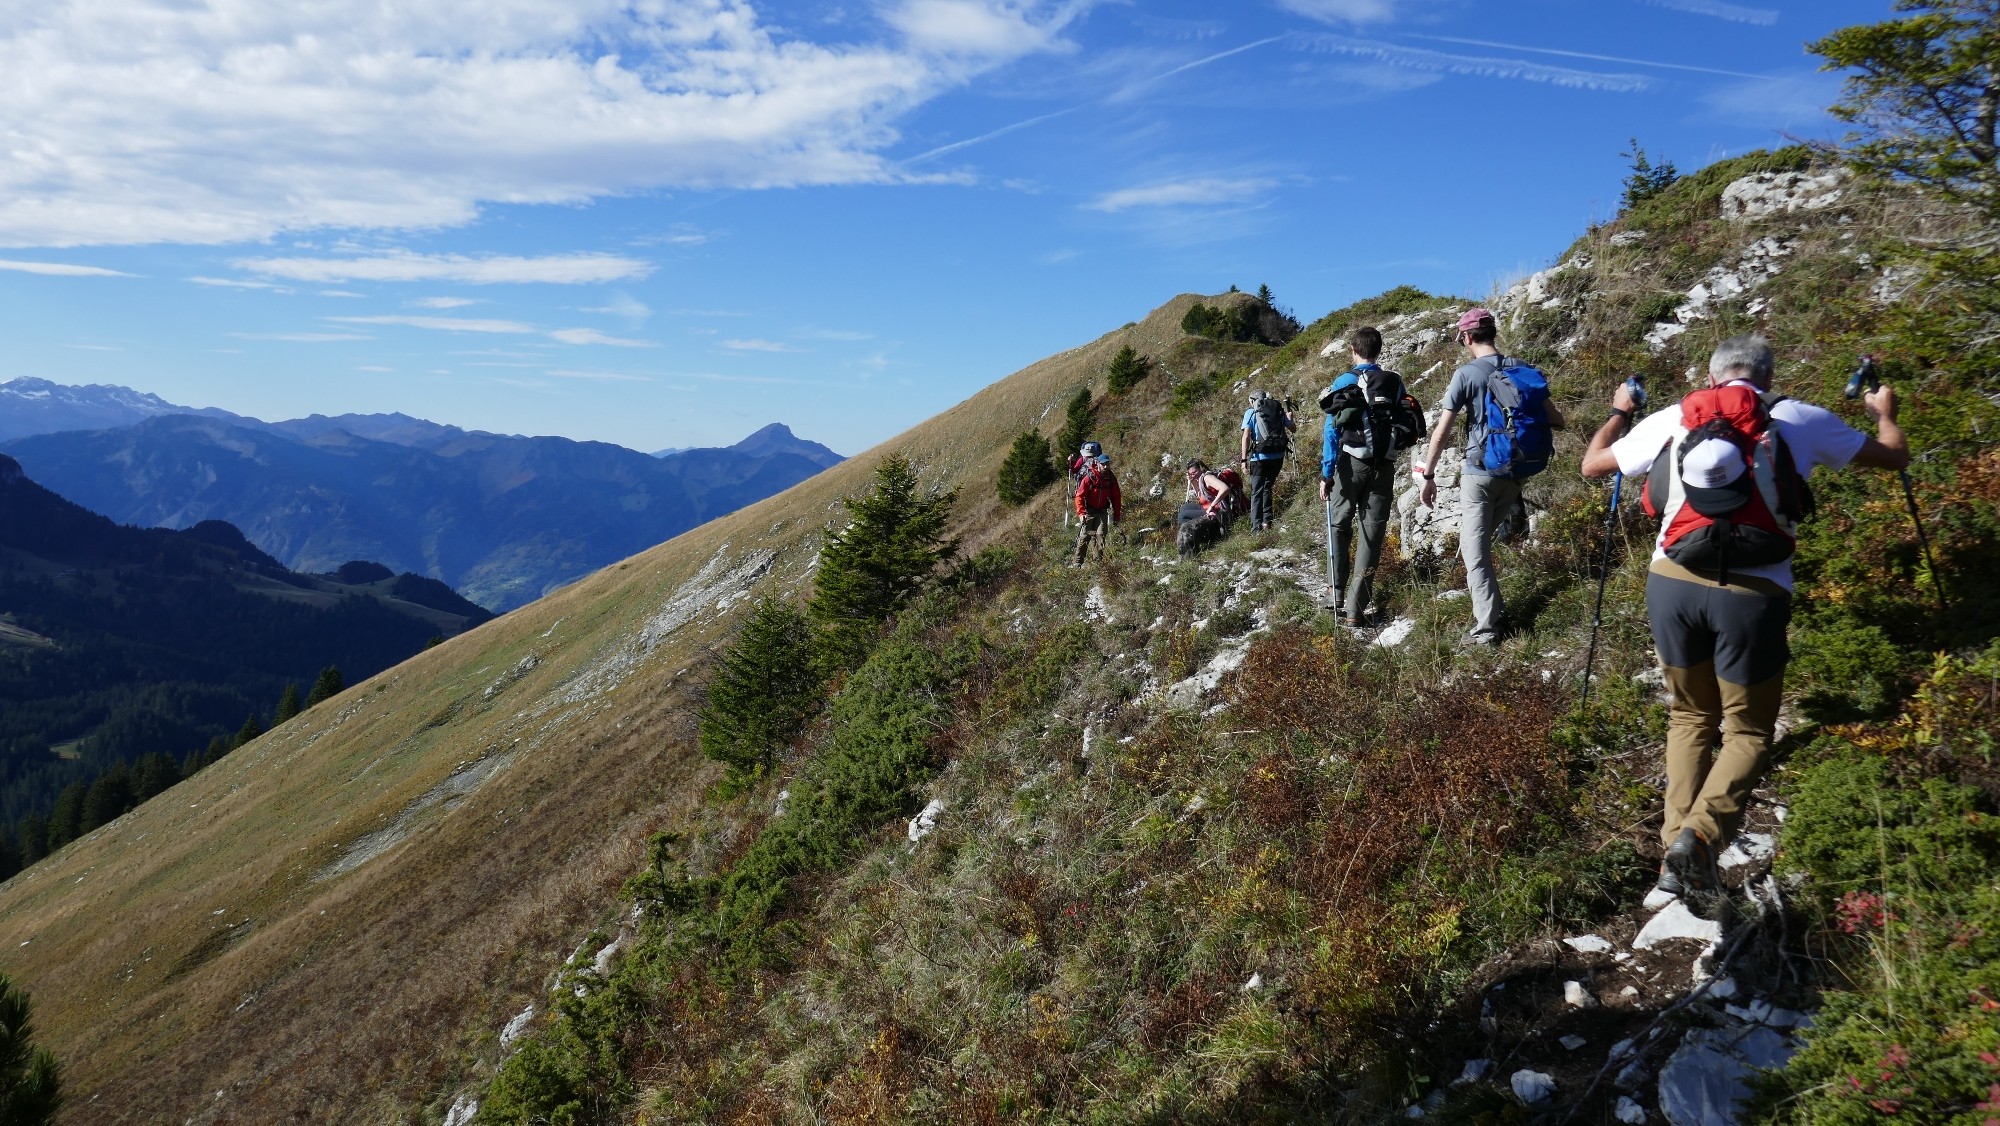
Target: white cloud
[[1478, 66], [139, 121], [1735, 13], [553, 269], [705, 313], [340, 293], [1181, 193], [442, 324], [443, 302], [301, 337], [604, 376], [592, 336], [994, 28], [622, 305], [1342, 11], [61, 269], [234, 283], [758, 346]]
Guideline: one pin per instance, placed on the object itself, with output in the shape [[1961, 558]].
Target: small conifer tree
[[326, 687], [765, 689], [66, 819], [1647, 179], [30, 1079], [1127, 369], [870, 568], [1028, 469], [108, 797], [155, 774], [1264, 294], [248, 732], [32, 835], [288, 705], [1079, 418]]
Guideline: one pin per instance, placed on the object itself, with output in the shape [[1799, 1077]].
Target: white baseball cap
[[1712, 464]]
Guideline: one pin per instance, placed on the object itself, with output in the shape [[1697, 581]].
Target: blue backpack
[[1518, 441]]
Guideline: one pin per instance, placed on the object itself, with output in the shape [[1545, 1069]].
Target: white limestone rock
[[1708, 1074], [1628, 1111], [1533, 1087], [1475, 1071], [1764, 194], [1673, 922], [1576, 996], [925, 822]]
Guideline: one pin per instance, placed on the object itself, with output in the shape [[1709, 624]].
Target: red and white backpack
[[1752, 519]]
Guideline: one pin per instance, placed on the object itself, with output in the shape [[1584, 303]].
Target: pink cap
[[1471, 317]]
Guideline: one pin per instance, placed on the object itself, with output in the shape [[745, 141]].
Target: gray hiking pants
[[1360, 489], [1483, 502]]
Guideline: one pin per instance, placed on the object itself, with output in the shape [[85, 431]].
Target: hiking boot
[[1668, 883], [1691, 861]]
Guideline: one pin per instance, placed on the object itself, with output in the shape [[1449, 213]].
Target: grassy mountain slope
[[1197, 854], [504, 783]]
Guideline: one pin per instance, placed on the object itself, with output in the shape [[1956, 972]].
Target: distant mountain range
[[502, 519], [118, 642]]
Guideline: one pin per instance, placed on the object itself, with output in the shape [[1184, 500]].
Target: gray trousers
[[1483, 502], [1360, 488]]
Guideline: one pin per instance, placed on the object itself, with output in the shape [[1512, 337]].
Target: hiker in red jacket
[[1099, 503]]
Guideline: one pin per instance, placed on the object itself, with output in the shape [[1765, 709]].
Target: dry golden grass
[[189, 963]]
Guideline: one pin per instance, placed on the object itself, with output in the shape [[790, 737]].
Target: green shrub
[[1128, 369], [1028, 470], [764, 690], [870, 568], [30, 1080]]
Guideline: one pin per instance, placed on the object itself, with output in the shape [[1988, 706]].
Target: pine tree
[[870, 568], [108, 797], [156, 774], [765, 689], [66, 819], [288, 705], [32, 835], [250, 730], [326, 687], [1079, 419], [1127, 369], [30, 1079], [1647, 179], [1264, 294], [1028, 469]]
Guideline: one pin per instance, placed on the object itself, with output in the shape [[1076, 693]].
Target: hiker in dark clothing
[[1366, 417], [1719, 588], [1267, 428], [1099, 504]]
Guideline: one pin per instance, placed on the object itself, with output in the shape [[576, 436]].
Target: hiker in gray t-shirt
[[1483, 501]]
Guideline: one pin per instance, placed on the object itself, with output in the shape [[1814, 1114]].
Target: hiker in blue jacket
[[1356, 476], [1267, 428]]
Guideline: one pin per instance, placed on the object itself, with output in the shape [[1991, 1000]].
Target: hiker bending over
[[1267, 428], [1369, 418], [1098, 504], [1726, 473], [1214, 501], [1507, 441]]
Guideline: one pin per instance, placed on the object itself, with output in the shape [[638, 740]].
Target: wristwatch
[[1618, 412]]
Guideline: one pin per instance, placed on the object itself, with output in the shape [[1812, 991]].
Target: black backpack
[[1377, 415], [1270, 432]]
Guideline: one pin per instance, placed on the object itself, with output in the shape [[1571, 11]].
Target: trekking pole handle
[[1863, 374], [1638, 390]]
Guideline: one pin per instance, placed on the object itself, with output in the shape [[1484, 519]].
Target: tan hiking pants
[[1723, 649]]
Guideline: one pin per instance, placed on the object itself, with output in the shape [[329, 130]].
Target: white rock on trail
[[1095, 606], [463, 1108], [1765, 194], [1395, 633], [1628, 1111], [517, 1026], [1573, 1042], [1676, 921], [1748, 848], [1256, 981], [1533, 1087], [1656, 899], [1475, 1071], [1588, 943], [1576, 996], [1708, 1074], [925, 822]]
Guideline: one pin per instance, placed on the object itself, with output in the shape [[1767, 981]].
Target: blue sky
[[668, 222]]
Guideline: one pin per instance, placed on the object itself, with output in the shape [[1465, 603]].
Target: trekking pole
[[1330, 572], [1866, 374], [1610, 536]]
